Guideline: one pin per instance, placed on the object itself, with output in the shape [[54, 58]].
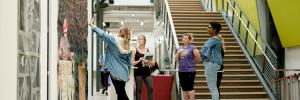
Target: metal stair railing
[[210, 5], [262, 58], [170, 42]]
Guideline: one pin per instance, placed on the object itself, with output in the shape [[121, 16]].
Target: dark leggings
[[104, 79], [219, 78], [120, 89], [138, 82]]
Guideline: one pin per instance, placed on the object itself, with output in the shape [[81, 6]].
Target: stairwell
[[239, 80]]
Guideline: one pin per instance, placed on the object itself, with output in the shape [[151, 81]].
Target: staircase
[[239, 80]]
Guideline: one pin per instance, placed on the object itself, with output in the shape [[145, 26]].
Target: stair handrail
[[171, 24], [170, 40], [208, 5], [271, 93], [248, 30], [264, 61], [255, 40]]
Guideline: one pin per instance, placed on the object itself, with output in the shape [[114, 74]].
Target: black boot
[[103, 91]]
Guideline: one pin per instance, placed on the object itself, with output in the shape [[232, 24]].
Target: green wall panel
[[286, 15]]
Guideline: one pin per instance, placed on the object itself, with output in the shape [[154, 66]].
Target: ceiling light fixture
[[122, 23]]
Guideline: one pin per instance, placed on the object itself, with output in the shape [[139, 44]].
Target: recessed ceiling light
[[122, 23]]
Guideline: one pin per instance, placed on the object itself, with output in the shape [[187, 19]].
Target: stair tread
[[235, 93], [189, 16], [204, 12], [229, 70], [200, 13], [194, 2], [236, 60], [181, 0], [224, 46], [186, 9], [230, 87], [226, 42], [207, 38], [226, 28], [240, 99], [206, 34], [228, 65], [194, 31], [236, 75], [206, 24], [228, 81], [198, 18]]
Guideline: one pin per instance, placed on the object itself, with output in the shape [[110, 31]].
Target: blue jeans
[[211, 72]]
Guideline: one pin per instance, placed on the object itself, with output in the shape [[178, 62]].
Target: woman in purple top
[[188, 56]]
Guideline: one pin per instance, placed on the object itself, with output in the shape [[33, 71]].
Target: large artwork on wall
[[72, 28], [28, 77]]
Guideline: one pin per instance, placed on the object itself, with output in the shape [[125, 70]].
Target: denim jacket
[[117, 63], [211, 51]]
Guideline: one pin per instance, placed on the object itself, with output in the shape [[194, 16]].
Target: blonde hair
[[144, 37], [126, 35], [190, 36]]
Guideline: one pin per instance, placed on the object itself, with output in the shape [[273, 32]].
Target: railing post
[[223, 5], [227, 10], [211, 5], [232, 21], [256, 35], [216, 5], [239, 29], [246, 39]]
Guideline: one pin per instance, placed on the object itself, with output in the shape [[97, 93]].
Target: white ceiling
[[131, 17]]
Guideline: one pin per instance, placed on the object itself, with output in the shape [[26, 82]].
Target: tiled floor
[[111, 92], [99, 96]]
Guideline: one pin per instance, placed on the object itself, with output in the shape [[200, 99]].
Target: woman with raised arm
[[118, 57]]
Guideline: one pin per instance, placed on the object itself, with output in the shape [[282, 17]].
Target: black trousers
[[120, 89], [219, 78], [104, 79], [138, 83]]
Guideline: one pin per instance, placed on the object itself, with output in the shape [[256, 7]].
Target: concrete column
[[53, 44], [8, 42]]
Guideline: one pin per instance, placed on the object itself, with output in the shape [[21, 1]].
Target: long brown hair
[[126, 35]]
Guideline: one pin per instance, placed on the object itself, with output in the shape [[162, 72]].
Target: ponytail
[[126, 36]]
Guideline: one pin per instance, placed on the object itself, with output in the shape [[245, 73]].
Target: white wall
[[292, 59], [8, 43], [43, 50]]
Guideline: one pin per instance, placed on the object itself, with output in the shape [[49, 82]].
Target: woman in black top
[[142, 72]]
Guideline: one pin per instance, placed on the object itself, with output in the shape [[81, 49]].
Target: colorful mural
[[72, 35]]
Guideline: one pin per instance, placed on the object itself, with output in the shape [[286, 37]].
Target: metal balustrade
[[169, 42]]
